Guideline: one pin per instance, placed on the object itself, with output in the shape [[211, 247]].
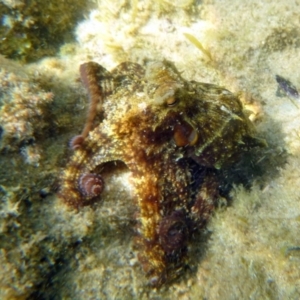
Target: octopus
[[174, 136]]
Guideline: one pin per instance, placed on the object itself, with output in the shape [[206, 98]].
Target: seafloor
[[250, 248]]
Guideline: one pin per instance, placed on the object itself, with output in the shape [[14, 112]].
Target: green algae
[[198, 44], [34, 29]]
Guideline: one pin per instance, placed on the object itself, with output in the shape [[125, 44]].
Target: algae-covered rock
[[251, 247], [33, 29], [22, 106], [31, 150]]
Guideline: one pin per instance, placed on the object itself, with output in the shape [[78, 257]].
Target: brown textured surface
[[142, 118]]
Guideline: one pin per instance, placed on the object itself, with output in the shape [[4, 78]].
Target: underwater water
[[242, 243]]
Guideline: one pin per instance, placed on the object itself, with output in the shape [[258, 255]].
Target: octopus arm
[[162, 195], [80, 183]]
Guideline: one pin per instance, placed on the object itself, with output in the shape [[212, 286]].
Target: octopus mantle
[[163, 128]]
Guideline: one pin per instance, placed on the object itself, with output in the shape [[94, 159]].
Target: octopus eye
[[185, 134], [173, 232], [90, 185], [171, 101]]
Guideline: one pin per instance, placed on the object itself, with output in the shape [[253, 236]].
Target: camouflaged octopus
[[164, 129]]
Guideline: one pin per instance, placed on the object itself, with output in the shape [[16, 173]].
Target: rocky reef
[[31, 30], [250, 246]]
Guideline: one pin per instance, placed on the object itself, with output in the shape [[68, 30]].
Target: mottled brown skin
[[157, 123]]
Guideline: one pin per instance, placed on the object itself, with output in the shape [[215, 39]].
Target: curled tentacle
[[90, 185], [76, 142]]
